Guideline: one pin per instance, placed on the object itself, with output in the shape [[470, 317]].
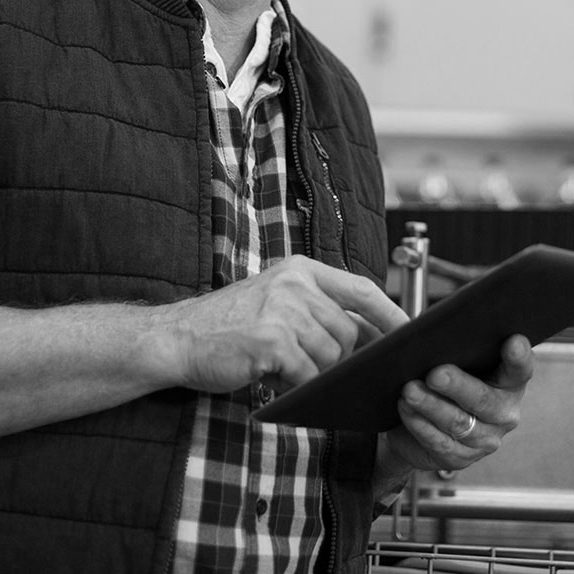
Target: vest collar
[[190, 10], [175, 7], [184, 9]]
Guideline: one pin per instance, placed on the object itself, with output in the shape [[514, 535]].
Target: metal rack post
[[412, 257]]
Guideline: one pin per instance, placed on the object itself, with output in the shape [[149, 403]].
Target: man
[[192, 220]]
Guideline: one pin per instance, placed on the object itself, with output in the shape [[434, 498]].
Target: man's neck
[[233, 28]]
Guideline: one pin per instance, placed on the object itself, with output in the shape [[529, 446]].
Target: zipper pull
[[304, 206], [319, 147]]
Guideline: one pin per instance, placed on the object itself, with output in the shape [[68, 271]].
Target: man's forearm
[[64, 362], [291, 321]]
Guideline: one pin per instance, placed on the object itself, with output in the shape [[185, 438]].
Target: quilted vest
[[105, 196]]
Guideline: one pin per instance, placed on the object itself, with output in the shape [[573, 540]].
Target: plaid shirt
[[252, 496]]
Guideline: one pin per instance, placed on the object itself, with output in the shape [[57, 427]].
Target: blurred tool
[[380, 34], [566, 189], [496, 187], [392, 198], [412, 257], [435, 187]]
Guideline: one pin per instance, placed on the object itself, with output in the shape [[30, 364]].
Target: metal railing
[[408, 557]]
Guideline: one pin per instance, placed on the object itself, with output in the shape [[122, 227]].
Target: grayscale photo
[[286, 287]]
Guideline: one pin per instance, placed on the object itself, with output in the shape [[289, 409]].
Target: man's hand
[[436, 411], [286, 324], [290, 322]]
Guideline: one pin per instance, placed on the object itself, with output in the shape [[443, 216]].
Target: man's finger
[[361, 295], [517, 365], [367, 331], [438, 449]]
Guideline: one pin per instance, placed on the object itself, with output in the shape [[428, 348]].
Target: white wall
[[503, 55]]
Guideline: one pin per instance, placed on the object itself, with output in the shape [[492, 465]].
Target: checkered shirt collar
[[280, 36]]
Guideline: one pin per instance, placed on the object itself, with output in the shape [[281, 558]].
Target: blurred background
[[473, 106]]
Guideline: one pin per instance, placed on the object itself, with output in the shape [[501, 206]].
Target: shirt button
[[265, 393], [261, 507]]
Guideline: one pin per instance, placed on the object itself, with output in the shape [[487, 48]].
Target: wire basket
[[415, 558]]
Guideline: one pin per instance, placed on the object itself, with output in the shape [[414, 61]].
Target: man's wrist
[[154, 354]]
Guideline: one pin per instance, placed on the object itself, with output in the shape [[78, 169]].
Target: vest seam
[[77, 520], [104, 436], [353, 257], [367, 267], [97, 114], [95, 273], [97, 191], [370, 209], [92, 49]]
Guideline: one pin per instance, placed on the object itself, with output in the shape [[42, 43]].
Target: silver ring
[[471, 424]]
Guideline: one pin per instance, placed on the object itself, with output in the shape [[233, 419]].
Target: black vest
[[105, 195]]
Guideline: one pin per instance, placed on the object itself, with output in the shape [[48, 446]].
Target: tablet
[[532, 293]]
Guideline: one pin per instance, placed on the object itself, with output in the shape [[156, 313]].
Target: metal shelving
[[413, 558]]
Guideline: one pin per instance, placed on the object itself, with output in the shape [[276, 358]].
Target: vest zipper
[[307, 208], [324, 158], [329, 504]]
